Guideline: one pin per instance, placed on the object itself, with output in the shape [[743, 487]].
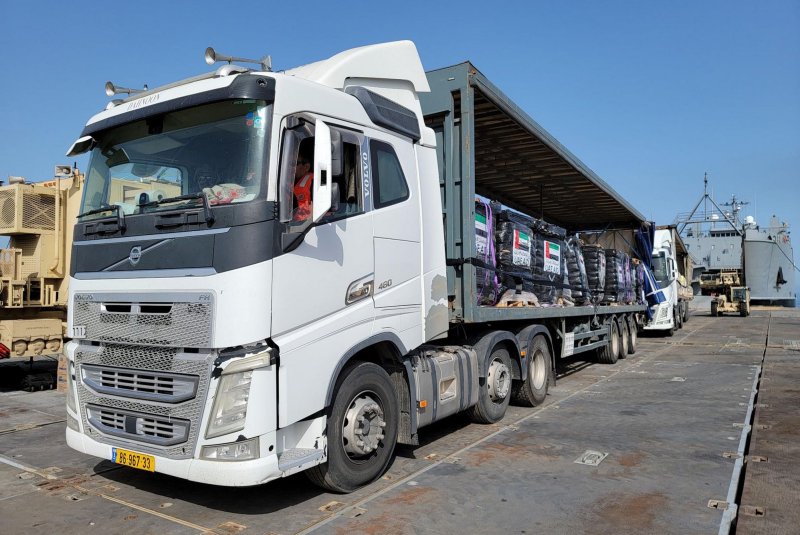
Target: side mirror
[[321, 197]]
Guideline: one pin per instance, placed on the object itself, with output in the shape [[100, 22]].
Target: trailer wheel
[[624, 338], [609, 353], [533, 389], [494, 392], [633, 335], [362, 430], [714, 309]]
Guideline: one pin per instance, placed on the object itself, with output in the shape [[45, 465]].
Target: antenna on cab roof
[[212, 57]]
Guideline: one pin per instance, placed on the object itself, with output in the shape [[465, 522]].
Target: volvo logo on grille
[[135, 255]]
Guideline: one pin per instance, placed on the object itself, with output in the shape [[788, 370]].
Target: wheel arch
[[485, 342], [525, 338]]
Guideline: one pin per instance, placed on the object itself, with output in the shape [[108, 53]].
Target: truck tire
[[678, 317], [633, 335], [609, 353], [494, 392], [714, 309], [624, 338], [362, 429], [685, 312], [532, 391]]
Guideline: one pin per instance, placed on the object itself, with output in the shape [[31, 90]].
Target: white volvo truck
[[223, 336], [672, 269]]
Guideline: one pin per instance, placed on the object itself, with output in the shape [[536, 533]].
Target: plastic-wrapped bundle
[[548, 229], [638, 282], [595, 260], [615, 276], [627, 296], [548, 268], [576, 270], [514, 240], [487, 285]]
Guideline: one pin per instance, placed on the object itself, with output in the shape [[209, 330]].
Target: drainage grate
[[591, 457]]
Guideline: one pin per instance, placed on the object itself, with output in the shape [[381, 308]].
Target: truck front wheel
[[362, 429], [533, 389], [494, 389]]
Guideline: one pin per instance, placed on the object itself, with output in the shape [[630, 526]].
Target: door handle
[[359, 289]]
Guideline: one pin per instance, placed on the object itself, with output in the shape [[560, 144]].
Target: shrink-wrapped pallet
[[577, 277], [514, 240], [594, 258], [487, 285], [549, 268], [615, 276]]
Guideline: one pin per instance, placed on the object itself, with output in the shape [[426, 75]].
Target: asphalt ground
[[696, 433]]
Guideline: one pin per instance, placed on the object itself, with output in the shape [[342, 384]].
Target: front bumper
[[663, 319], [224, 473]]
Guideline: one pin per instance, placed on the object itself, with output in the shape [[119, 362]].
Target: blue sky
[[650, 95]]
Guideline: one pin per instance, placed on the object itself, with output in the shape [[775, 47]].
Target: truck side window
[[351, 200], [294, 139], [387, 175]]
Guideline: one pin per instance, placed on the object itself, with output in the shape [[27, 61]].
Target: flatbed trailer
[[487, 146]]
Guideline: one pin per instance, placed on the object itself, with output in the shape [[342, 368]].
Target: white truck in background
[[672, 268], [219, 337]]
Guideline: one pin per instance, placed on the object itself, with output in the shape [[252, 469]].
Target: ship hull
[[769, 269]]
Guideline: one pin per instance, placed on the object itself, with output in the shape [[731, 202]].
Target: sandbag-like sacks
[[514, 239], [615, 276], [488, 288], [578, 292], [594, 258]]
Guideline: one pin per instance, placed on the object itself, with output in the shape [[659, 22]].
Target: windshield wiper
[[188, 197], [108, 208]]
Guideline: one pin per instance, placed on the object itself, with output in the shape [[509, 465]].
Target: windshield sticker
[[253, 120]]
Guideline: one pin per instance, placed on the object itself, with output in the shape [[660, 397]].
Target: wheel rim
[[538, 372], [624, 336], [363, 425], [614, 341], [499, 380]]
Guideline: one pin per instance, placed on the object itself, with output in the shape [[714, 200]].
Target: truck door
[[322, 289], [396, 213]]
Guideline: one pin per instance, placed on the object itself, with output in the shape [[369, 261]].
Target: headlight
[[230, 404], [233, 391], [234, 451]]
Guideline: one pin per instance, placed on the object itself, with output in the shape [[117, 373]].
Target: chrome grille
[[178, 320], [163, 361], [140, 427], [141, 384]]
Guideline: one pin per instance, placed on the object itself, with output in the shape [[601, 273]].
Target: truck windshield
[[216, 149], [660, 270]]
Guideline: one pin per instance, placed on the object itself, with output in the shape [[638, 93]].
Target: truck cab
[[671, 267], [197, 287]]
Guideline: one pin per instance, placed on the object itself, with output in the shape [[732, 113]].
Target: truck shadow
[[275, 496]]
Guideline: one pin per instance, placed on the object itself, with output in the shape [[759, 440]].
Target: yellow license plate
[[133, 459]]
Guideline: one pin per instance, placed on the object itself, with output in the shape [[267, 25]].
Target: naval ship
[[719, 242]]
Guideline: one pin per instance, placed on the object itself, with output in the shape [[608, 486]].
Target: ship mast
[[731, 218]]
